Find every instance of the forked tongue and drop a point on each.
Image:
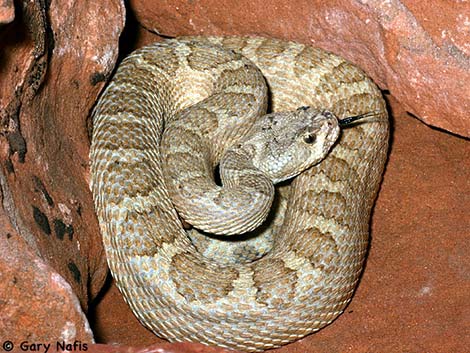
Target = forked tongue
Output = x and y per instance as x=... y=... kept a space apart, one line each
x=350 y=119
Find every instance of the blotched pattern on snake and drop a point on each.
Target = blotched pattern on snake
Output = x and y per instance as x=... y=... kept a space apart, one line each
x=175 y=111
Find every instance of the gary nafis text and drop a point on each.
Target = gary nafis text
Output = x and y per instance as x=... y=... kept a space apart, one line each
x=58 y=346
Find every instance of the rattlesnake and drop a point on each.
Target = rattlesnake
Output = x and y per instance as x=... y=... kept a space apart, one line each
x=178 y=286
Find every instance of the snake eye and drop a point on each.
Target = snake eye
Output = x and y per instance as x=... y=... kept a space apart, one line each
x=328 y=114
x=310 y=138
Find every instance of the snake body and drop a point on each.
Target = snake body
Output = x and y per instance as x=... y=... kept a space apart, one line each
x=181 y=285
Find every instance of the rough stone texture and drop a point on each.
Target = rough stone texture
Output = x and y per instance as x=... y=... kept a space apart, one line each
x=36 y=303
x=414 y=49
x=413 y=296
x=7 y=11
x=55 y=61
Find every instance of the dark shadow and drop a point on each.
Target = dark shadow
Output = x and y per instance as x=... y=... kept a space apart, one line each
x=92 y=315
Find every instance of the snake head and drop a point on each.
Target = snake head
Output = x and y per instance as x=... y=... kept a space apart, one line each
x=283 y=145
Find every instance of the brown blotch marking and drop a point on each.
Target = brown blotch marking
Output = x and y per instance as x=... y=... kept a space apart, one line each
x=330 y=205
x=186 y=274
x=269 y=49
x=186 y=152
x=186 y=165
x=319 y=248
x=341 y=171
x=252 y=179
x=163 y=57
x=77 y=276
x=133 y=100
x=346 y=73
x=157 y=215
x=355 y=104
x=207 y=58
x=198 y=117
x=234 y=43
x=246 y=253
x=114 y=135
x=141 y=77
x=271 y=278
x=114 y=143
x=325 y=88
x=309 y=59
x=237 y=104
x=118 y=103
x=248 y=75
x=41 y=220
x=142 y=233
x=355 y=139
x=129 y=178
x=322 y=247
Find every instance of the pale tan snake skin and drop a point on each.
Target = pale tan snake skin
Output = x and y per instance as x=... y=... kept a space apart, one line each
x=308 y=273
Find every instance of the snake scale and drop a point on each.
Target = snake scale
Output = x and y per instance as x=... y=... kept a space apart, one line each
x=313 y=244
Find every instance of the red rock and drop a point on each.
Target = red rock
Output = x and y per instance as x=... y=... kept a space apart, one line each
x=418 y=51
x=7 y=11
x=53 y=68
x=38 y=305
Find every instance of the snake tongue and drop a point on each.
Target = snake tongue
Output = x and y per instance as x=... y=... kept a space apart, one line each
x=350 y=119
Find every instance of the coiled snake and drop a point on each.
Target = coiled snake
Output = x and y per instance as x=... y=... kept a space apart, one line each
x=173 y=112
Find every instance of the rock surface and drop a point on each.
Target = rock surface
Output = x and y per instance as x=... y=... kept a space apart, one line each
x=53 y=68
x=7 y=11
x=54 y=63
x=419 y=51
x=37 y=304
